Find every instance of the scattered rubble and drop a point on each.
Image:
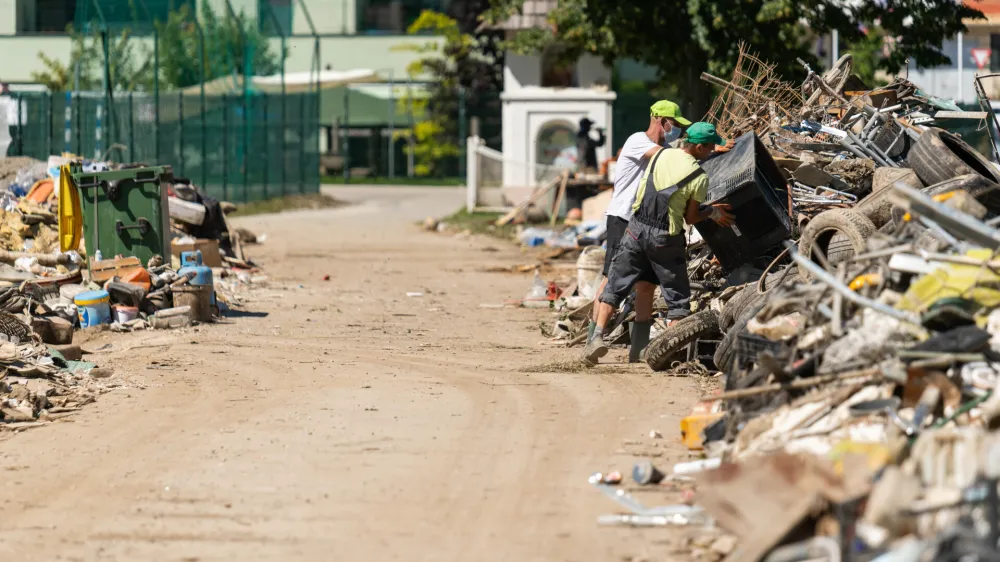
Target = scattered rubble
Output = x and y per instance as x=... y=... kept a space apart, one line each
x=50 y=285
x=854 y=313
x=861 y=368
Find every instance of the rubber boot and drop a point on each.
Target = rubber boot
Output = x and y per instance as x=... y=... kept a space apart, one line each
x=590 y=330
x=640 y=339
x=596 y=348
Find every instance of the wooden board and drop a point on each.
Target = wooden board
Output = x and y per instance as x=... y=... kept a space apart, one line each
x=559 y=199
x=523 y=206
x=101 y=271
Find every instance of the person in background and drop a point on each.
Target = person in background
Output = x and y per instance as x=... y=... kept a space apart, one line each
x=653 y=248
x=586 y=145
x=665 y=128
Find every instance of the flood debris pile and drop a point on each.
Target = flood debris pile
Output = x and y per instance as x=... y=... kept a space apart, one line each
x=858 y=334
x=99 y=245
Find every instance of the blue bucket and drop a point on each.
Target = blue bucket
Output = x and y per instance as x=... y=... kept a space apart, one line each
x=93 y=308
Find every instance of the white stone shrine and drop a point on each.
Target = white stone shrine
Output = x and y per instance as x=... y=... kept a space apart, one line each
x=543 y=104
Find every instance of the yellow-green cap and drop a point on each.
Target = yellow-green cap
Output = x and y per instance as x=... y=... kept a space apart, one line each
x=667 y=108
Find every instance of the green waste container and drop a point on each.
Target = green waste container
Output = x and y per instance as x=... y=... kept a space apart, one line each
x=125 y=211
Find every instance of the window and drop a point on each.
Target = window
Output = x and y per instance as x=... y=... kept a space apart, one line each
x=51 y=16
x=393 y=16
x=275 y=17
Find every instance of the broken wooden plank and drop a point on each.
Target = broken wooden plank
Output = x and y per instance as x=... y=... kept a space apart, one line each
x=559 y=198
x=523 y=206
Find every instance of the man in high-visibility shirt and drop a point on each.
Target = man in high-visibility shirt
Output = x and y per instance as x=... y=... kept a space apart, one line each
x=654 y=248
x=666 y=125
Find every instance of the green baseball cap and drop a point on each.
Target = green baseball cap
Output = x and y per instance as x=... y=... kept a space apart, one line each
x=666 y=108
x=703 y=133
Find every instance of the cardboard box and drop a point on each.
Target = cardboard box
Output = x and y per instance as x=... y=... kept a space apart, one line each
x=210 y=254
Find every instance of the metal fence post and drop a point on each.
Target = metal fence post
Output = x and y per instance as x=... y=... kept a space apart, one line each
x=156 y=93
x=317 y=64
x=246 y=130
x=461 y=132
x=302 y=145
x=314 y=165
x=267 y=131
x=68 y=123
x=105 y=104
x=392 y=129
x=344 y=146
x=79 y=126
x=204 y=141
x=284 y=123
x=410 y=156
x=131 y=128
x=20 y=125
x=284 y=106
x=225 y=147
x=98 y=130
x=204 y=128
x=244 y=159
x=180 y=132
x=50 y=120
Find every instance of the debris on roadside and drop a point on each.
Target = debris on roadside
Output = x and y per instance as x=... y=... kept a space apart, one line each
x=854 y=312
x=73 y=256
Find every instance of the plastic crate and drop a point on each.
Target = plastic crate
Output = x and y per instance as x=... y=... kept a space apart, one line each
x=748 y=346
x=747 y=178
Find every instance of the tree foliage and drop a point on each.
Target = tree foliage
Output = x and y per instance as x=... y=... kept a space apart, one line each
x=227 y=41
x=181 y=56
x=682 y=38
x=130 y=68
x=867 y=52
x=463 y=68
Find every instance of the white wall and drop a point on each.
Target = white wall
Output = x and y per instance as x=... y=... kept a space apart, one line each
x=8 y=16
x=329 y=16
x=19 y=68
x=521 y=71
x=945 y=83
x=381 y=54
x=525 y=111
x=591 y=72
x=341 y=53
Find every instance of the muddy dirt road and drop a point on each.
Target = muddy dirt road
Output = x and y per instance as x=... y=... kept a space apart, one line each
x=342 y=420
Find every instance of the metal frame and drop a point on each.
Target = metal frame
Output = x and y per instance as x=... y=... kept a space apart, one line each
x=992 y=123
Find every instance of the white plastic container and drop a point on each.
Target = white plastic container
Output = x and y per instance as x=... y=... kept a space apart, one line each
x=589 y=271
x=695 y=467
x=125 y=314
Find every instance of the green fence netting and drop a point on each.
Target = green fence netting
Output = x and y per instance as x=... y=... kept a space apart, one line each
x=233 y=147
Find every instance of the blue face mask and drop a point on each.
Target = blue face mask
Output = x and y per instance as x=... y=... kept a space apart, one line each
x=670 y=136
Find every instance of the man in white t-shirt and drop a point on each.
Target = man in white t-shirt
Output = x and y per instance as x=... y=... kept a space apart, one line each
x=665 y=127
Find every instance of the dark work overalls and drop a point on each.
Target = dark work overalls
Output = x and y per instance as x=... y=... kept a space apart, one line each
x=648 y=252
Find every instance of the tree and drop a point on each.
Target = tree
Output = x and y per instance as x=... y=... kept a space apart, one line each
x=460 y=66
x=704 y=35
x=181 y=56
x=866 y=54
x=485 y=74
x=85 y=70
